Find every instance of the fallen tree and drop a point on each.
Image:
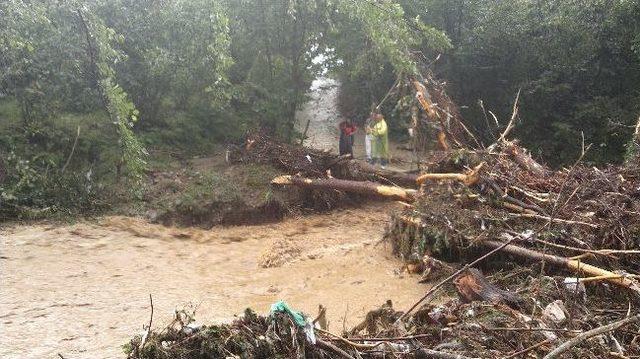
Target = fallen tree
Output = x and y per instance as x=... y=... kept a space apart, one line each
x=294 y=159
x=361 y=187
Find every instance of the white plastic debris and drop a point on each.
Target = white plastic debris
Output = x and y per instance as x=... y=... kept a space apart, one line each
x=436 y=313
x=310 y=333
x=191 y=328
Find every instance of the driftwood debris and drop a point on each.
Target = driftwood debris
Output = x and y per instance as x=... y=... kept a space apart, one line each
x=470 y=178
x=573 y=265
x=524 y=159
x=590 y=334
x=361 y=187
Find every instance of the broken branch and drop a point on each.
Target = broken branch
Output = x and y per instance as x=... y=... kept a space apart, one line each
x=571 y=264
x=470 y=178
x=591 y=333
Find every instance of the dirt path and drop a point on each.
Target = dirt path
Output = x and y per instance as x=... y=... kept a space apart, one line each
x=323 y=117
x=82 y=290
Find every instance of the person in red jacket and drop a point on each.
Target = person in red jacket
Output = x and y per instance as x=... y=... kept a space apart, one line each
x=347 y=129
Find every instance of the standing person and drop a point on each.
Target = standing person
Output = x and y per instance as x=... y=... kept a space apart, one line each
x=368 y=137
x=347 y=129
x=380 y=133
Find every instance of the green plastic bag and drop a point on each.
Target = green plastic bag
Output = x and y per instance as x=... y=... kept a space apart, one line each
x=283 y=307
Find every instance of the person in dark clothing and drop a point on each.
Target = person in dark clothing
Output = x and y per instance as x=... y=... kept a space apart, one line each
x=347 y=129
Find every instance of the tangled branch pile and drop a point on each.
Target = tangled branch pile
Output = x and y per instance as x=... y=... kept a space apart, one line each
x=565 y=284
x=576 y=211
x=569 y=240
x=258 y=147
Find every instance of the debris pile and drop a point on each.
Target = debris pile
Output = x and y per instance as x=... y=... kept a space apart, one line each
x=558 y=249
x=502 y=194
x=250 y=336
x=562 y=247
x=259 y=147
x=542 y=262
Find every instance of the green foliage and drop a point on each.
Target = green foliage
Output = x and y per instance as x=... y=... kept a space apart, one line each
x=275 y=44
x=576 y=62
x=392 y=36
x=177 y=56
x=376 y=44
x=190 y=73
x=31 y=190
x=42 y=59
x=206 y=189
x=121 y=110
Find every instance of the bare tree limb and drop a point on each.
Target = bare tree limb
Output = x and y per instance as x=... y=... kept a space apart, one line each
x=511 y=124
x=591 y=333
x=73 y=149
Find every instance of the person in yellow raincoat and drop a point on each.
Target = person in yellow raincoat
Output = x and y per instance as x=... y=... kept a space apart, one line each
x=380 y=141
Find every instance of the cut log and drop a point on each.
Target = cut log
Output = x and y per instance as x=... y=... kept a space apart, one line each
x=571 y=264
x=365 y=188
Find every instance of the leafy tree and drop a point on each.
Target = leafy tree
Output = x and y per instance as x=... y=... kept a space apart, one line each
x=274 y=44
x=47 y=71
x=120 y=109
x=576 y=62
x=177 y=55
x=376 y=44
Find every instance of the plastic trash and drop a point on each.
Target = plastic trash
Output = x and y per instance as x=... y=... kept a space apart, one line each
x=298 y=318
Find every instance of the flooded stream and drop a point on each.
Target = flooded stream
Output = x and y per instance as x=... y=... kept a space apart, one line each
x=82 y=290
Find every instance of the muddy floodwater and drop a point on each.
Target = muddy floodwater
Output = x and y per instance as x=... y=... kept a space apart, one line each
x=82 y=290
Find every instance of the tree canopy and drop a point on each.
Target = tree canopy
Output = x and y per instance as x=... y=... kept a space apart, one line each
x=138 y=75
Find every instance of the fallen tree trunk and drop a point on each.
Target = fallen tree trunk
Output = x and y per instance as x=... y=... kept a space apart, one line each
x=363 y=171
x=573 y=265
x=365 y=188
x=308 y=162
x=590 y=334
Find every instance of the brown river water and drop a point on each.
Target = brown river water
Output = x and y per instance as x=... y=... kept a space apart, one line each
x=83 y=290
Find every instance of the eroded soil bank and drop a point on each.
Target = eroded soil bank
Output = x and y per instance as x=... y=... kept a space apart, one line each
x=81 y=290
